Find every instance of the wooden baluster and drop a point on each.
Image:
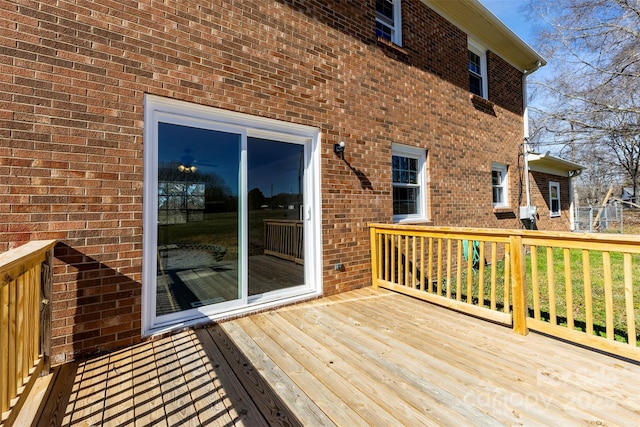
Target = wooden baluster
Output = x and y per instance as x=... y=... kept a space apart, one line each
x=494 y=261
x=588 y=302
x=481 y=277
x=568 y=286
x=469 y=271
x=535 y=282
x=628 y=298
x=552 y=287
x=459 y=271
x=422 y=256
x=414 y=260
x=608 y=293
x=439 y=268
x=449 y=262
x=507 y=277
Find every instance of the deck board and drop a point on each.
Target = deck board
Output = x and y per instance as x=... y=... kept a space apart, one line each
x=366 y=357
x=147 y=402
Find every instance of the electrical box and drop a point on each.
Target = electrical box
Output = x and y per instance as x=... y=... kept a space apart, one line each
x=528 y=212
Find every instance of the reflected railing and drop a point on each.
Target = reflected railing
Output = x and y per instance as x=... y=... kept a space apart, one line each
x=283 y=238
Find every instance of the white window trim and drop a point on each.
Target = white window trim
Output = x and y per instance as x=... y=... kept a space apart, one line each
x=553 y=214
x=396 y=30
x=158 y=109
x=421 y=155
x=505 y=184
x=481 y=51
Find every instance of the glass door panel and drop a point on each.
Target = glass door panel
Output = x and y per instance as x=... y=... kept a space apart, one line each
x=275 y=174
x=198 y=218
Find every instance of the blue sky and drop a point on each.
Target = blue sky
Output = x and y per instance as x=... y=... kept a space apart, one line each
x=512 y=13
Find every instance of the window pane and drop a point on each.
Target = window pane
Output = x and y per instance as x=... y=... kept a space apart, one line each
x=475 y=84
x=198 y=218
x=383 y=31
x=497 y=195
x=395 y=162
x=384 y=8
x=496 y=177
x=275 y=173
x=405 y=170
x=405 y=200
x=474 y=63
x=555 y=206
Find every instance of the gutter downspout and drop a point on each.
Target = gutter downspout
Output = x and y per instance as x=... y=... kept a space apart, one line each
x=572 y=190
x=526 y=149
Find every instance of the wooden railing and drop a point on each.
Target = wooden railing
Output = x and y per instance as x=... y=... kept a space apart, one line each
x=283 y=238
x=25 y=331
x=579 y=287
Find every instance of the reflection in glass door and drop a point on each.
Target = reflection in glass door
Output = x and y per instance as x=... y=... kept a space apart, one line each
x=275 y=174
x=198 y=218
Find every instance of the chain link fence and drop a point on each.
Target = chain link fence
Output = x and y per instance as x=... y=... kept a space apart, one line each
x=610 y=220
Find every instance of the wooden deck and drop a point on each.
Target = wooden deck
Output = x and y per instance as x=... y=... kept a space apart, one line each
x=367 y=357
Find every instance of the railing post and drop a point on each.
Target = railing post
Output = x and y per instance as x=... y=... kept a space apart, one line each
x=374 y=257
x=518 y=285
x=45 y=311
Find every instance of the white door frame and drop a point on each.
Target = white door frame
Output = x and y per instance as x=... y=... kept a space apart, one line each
x=158 y=109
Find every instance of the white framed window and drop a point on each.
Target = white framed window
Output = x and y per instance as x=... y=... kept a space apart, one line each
x=554 y=198
x=388 y=21
x=477 y=69
x=409 y=183
x=499 y=183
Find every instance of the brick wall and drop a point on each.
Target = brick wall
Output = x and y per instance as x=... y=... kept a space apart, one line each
x=72 y=80
x=539 y=184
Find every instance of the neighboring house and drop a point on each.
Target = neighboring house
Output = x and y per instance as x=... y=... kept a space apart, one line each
x=550 y=190
x=187 y=154
x=627 y=194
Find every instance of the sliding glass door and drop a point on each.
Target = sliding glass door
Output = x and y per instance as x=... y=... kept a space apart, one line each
x=229 y=218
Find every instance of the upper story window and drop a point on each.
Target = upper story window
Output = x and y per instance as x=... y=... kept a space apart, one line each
x=388 y=24
x=499 y=184
x=477 y=70
x=409 y=183
x=554 y=198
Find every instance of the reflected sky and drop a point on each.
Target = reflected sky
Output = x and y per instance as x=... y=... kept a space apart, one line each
x=274 y=167
x=209 y=150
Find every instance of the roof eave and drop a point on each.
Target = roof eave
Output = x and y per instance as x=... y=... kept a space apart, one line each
x=546 y=163
x=482 y=25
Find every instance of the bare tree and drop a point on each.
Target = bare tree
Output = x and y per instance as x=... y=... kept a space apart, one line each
x=590 y=106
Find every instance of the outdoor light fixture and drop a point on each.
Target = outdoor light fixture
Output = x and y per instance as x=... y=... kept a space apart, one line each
x=187 y=169
x=339 y=149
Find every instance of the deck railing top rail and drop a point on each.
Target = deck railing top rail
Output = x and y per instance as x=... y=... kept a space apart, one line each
x=565 y=239
x=29 y=253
